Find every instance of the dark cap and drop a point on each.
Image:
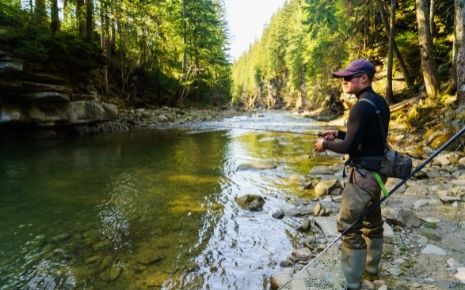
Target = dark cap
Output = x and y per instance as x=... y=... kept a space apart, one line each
x=356 y=67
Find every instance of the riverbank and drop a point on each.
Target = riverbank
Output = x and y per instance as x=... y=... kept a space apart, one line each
x=424 y=219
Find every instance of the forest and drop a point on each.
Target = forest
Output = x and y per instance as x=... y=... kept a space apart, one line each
x=149 y=52
x=168 y=52
x=417 y=47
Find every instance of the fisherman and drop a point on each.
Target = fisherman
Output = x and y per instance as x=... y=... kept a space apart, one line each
x=362 y=244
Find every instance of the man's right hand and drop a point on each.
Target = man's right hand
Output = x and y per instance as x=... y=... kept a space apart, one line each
x=329 y=135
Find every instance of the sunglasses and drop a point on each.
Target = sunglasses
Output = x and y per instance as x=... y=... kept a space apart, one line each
x=349 y=78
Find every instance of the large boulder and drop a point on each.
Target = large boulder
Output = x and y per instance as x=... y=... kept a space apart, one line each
x=325 y=187
x=251 y=202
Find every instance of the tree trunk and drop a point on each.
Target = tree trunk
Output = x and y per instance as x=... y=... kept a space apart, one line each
x=428 y=63
x=81 y=19
x=90 y=20
x=431 y=17
x=104 y=41
x=389 y=94
x=400 y=59
x=40 y=13
x=460 y=49
x=55 y=25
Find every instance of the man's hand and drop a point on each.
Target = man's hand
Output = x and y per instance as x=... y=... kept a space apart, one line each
x=329 y=135
x=319 y=145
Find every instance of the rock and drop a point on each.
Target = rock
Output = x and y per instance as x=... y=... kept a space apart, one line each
x=302 y=253
x=306 y=225
x=379 y=283
x=420 y=203
x=320 y=210
x=321 y=170
x=61 y=238
x=388 y=233
x=417 y=190
x=368 y=285
x=111 y=274
x=453 y=264
x=394 y=271
x=101 y=245
x=327 y=225
x=460 y=275
x=383 y=287
x=462 y=162
x=442 y=159
x=251 y=202
x=256 y=165
x=156 y=280
x=149 y=258
x=13 y=114
x=277 y=280
x=286 y=263
x=433 y=250
x=279 y=214
x=325 y=187
x=403 y=218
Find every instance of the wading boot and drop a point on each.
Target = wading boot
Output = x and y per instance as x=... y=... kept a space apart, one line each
x=353 y=266
x=374 y=251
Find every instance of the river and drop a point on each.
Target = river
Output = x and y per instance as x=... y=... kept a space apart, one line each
x=153 y=209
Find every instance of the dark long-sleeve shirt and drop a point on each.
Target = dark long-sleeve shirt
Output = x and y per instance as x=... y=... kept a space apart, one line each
x=364 y=136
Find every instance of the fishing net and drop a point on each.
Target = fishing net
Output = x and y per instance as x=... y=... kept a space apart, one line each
x=322 y=273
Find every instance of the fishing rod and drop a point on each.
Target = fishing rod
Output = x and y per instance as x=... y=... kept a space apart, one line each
x=372 y=208
x=319 y=134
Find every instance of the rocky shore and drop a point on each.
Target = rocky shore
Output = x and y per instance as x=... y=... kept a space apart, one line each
x=424 y=227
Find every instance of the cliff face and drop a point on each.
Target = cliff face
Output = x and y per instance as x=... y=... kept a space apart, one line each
x=52 y=92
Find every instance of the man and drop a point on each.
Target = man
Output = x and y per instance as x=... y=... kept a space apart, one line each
x=364 y=139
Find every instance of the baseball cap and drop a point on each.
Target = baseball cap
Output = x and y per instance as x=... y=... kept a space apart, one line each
x=356 y=67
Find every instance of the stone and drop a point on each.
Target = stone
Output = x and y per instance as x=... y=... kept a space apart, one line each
x=279 y=214
x=250 y=202
x=327 y=225
x=420 y=203
x=403 y=218
x=13 y=114
x=277 y=280
x=383 y=287
x=325 y=187
x=433 y=250
x=306 y=225
x=256 y=165
x=302 y=253
x=379 y=283
x=156 y=280
x=111 y=274
x=453 y=264
x=150 y=258
x=286 y=263
x=388 y=233
x=101 y=245
x=460 y=275
x=367 y=284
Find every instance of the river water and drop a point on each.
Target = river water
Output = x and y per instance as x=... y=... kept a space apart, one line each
x=154 y=208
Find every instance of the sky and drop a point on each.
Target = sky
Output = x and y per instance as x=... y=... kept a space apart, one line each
x=246 y=20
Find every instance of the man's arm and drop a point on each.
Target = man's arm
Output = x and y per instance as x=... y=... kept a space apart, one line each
x=356 y=127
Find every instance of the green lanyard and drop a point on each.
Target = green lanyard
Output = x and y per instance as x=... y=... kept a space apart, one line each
x=381 y=184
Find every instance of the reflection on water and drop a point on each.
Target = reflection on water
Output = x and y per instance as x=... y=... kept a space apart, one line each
x=150 y=209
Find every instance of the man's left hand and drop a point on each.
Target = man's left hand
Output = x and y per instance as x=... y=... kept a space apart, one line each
x=319 y=145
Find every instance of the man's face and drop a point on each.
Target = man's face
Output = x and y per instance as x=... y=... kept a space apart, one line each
x=353 y=84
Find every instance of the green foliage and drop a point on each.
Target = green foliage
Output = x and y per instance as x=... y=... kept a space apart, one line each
x=293 y=59
x=178 y=44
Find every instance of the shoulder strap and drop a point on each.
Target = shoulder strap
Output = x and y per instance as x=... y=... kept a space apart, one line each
x=378 y=114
